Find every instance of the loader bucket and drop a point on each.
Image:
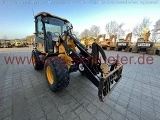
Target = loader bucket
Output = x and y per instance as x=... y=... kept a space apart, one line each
x=109 y=80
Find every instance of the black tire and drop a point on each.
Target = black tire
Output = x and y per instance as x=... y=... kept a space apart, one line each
x=157 y=52
x=37 y=64
x=57 y=73
x=130 y=49
x=119 y=49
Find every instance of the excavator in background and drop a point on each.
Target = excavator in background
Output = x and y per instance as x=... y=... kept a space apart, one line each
x=143 y=44
x=5 y=44
x=108 y=44
x=124 y=44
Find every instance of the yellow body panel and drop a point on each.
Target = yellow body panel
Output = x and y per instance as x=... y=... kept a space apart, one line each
x=71 y=44
x=63 y=53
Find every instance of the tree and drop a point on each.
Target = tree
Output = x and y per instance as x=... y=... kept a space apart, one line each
x=85 y=34
x=156 y=31
x=145 y=23
x=157 y=26
x=76 y=33
x=94 y=31
x=155 y=37
x=113 y=28
x=137 y=30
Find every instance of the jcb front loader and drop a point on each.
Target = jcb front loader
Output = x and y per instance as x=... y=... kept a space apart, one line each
x=55 y=50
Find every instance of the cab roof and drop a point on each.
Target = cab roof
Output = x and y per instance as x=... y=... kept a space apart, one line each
x=48 y=14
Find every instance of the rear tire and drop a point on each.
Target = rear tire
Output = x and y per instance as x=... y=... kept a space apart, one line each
x=57 y=73
x=157 y=52
x=37 y=64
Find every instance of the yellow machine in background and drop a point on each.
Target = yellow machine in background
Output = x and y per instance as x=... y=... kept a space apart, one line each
x=124 y=44
x=108 y=44
x=143 y=43
x=18 y=43
x=5 y=44
x=82 y=41
x=89 y=41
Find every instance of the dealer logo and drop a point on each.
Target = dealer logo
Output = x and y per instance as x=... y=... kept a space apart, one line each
x=122 y=44
x=144 y=44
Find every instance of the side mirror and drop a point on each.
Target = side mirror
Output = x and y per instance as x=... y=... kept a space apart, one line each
x=70 y=26
x=45 y=20
x=36 y=33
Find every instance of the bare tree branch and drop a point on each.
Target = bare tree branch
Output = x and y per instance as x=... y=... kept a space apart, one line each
x=156 y=31
x=114 y=28
x=94 y=31
x=85 y=34
x=137 y=30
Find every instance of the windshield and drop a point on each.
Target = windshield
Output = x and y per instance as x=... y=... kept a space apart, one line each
x=55 y=25
x=121 y=40
x=140 y=39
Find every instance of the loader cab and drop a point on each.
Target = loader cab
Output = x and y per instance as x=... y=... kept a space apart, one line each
x=121 y=40
x=47 y=30
x=140 y=40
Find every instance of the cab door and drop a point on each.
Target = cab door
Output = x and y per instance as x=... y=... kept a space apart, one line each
x=39 y=40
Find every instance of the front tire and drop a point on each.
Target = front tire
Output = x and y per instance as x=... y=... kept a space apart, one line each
x=57 y=73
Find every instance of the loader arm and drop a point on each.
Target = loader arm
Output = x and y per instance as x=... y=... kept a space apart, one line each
x=102 y=82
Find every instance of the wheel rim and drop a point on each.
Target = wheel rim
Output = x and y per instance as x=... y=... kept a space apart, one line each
x=49 y=75
x=33 y=60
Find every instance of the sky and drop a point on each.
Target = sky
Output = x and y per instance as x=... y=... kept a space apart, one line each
x=16 y=17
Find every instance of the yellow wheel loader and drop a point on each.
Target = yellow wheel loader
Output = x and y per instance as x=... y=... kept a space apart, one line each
x=55 y=51
x=125 y=44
